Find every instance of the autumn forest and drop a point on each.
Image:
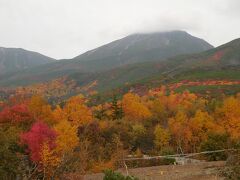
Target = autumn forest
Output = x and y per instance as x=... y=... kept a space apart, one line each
x=42 y=140
x=124 y=90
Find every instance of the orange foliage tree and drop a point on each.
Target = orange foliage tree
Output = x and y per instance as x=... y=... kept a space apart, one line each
x=133 y=108
x=76 y=112
x=180 y=131
x=228 y=116
x=41 y=110
x=201 y=125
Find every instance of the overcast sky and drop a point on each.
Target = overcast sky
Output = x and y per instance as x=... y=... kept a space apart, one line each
x=67 y=28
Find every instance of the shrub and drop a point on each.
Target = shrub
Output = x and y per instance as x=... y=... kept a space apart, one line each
x=215 y=142
x=232 y=169
x=112 y=175
x=149 y=162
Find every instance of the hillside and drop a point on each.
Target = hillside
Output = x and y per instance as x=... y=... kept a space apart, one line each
x=132 y=49
x=219 y=63
x=15 y=59
x=138 y=48
x=216 y=71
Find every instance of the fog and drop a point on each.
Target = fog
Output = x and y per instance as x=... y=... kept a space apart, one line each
x=67 y=28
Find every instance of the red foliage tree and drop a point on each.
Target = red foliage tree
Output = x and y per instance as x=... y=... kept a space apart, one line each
x=15 y=114
x=39 y=134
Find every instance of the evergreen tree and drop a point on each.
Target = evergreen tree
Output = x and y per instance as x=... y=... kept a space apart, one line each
x=116 y=108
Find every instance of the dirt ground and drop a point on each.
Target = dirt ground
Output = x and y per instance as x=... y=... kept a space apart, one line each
x=199 y=171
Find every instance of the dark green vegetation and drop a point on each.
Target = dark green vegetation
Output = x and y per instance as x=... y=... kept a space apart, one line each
x=112 y=175
x=150 y=162
x=8 y=150
x=211 y=89
x=14 y=59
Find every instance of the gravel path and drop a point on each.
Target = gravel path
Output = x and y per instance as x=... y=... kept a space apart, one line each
x=199 y=171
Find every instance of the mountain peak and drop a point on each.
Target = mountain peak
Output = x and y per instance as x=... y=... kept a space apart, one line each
x=14 y=59
x=161 y=32
x=142 y=47
x=235 y=42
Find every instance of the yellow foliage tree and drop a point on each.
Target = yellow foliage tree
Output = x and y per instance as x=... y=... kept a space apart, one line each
x=59 y=114
x=66 y=142
x=133 y=108
x=201 y=124
x=158 y=110
x=180 y=131
x=77 y=112
x=229 y=117
x=49 y=161
x=41 y=110
x=67 y=138
x=139 y=129
x=162 y=137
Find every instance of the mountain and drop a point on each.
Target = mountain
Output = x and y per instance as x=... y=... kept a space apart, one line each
x=217 y=64
x=221 y=63
x=142 y=48
x=136 y=48
x=15 y=59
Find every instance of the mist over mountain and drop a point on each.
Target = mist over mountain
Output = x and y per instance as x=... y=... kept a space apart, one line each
x=136 y=48
x=142 y=48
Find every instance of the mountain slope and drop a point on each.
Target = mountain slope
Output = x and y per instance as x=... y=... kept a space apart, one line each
x=14 y=59
x=142 y=48
x=219 y=63
x=209 y=73
x=129 y=50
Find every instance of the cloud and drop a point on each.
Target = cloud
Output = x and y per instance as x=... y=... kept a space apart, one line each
x=66 y=28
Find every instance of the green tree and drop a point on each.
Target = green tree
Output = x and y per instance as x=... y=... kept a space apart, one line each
x=216 y=142
x=9 y=151
x=116 y=108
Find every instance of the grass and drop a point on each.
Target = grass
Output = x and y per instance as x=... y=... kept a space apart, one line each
x=218 y=74
x=211 y=89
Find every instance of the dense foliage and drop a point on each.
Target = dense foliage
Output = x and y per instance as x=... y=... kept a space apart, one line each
x=39 y=140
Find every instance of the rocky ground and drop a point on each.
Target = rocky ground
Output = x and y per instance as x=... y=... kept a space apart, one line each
x=197 y=171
